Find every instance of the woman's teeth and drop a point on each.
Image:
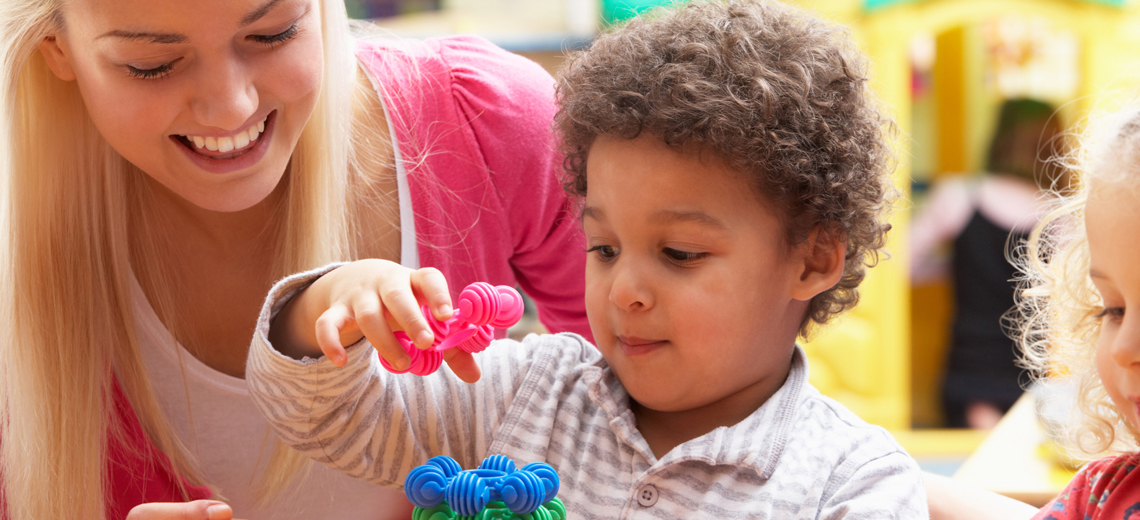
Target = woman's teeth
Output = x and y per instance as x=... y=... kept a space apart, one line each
x=230 y=143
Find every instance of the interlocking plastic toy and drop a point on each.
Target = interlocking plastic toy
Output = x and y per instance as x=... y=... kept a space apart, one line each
x=482 y=308
x=441 y=490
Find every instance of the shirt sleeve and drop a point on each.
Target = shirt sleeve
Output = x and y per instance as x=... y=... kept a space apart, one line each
x=508 y=101
x=374 y=425
x=888 y=487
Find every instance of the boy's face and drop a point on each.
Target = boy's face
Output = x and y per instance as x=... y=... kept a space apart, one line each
x=689 y=280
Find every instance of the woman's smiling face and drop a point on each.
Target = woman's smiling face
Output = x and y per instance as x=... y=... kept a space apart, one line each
x=208 y=98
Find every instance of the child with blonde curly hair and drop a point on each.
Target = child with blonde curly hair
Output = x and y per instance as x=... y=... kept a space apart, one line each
x=1081 y=275
x=733 y=175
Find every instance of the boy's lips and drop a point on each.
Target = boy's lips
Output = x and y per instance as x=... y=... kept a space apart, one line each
x=632 y=345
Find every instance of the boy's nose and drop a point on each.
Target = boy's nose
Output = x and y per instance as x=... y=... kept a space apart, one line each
x=628 y=290
x=225 y=97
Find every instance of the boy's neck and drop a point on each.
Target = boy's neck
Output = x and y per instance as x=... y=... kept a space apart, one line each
x=664 y=431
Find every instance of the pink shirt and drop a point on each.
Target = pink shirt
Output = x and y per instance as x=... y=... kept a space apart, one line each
x=487 y=195
x=473 y=126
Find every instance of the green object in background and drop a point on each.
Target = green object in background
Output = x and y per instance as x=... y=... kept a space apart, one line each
x=617 y=11
x=871 y=5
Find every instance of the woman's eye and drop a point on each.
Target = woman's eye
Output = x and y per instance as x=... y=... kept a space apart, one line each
x=158 y=72
x=683 y=257
x=605 y=253
x=274 y=39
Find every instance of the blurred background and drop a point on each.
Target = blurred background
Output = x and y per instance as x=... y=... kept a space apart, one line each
x=982 y=91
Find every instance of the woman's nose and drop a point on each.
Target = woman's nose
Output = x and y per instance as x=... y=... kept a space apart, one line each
x=225 y=97
x=629 y=291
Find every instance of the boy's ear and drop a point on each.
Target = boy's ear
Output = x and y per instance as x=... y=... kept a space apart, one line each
x=821 y=258
x=57 y=59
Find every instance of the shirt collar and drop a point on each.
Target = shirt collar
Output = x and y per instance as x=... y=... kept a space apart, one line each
x=756 y=442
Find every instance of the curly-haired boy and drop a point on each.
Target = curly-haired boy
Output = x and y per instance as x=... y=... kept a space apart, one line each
x=732 y=172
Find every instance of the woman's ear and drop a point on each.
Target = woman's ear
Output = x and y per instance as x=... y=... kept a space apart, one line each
x=57 y=59
x=822 y=257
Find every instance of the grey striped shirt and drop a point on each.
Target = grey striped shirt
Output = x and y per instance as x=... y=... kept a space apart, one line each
x=552 y=398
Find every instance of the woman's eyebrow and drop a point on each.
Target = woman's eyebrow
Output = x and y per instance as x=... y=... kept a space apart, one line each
x=153 y=37
x=256 y=14
x=150 y=37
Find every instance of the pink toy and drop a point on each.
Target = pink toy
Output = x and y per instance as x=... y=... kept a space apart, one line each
x=482 y=308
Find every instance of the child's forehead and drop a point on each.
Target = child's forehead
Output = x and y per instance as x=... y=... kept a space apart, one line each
x=646 y=180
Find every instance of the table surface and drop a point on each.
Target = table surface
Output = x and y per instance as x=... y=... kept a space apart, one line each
x=1012 y=462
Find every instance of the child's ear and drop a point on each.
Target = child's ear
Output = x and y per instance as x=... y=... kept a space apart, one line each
x=821 y=258
x=57 y=59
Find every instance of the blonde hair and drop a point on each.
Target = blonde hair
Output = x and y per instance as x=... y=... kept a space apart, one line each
x=1058 y=304
x=67 y=255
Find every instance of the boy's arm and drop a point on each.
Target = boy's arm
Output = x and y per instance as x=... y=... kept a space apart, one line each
x=367 y=422
x=953 y=500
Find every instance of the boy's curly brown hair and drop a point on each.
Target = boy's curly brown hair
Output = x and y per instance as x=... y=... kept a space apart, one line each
x=771 y=89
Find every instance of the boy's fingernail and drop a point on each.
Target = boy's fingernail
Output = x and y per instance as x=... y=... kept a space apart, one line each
x=402 y=362
x=423 y=338
x=216 y=511
x=445 y=309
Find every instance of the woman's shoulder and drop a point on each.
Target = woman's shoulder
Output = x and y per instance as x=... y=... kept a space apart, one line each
x=467 y=65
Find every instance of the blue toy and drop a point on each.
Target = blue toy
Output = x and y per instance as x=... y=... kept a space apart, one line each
x=441 y=490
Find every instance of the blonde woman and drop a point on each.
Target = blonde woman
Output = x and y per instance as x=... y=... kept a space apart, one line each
x=164 y=162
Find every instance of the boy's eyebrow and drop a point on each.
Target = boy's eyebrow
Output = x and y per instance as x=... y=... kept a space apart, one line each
x=1093 y=273
x=152 y=37
x=699 y=217
x=594 y=213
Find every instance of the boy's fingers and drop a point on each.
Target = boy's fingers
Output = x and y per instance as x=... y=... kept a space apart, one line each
x=370 y=319
x=399 y=300
x=431 y=284
x=463 y=364
x=328 y=329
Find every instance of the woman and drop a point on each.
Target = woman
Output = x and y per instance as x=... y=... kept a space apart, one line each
x=165 y=162
x=983 y=218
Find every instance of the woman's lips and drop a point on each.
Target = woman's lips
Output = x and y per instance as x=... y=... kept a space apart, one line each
x=633 y=346
x=232 y=163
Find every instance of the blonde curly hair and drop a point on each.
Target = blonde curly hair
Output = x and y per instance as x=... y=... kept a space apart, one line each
x=1058 y=306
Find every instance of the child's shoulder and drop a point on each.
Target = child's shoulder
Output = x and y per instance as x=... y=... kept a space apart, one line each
x=835 y=421
x=839 y=445
x=1105 y=488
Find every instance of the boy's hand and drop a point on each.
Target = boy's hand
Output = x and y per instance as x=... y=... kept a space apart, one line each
x=372 y=299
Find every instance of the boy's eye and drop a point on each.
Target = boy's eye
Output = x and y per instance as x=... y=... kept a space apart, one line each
x=605 y=253
x=683 y=257
x=274 y=39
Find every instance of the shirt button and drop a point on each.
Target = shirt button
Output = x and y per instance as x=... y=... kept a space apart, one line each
x=647 y=495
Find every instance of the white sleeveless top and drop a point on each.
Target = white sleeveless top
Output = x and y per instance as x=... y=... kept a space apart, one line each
x=213 y=415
